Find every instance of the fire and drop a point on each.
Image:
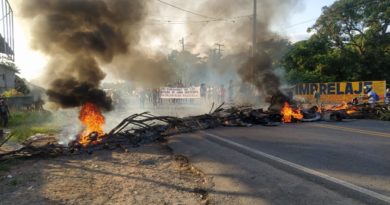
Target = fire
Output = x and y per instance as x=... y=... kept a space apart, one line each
x=343 y=106
x=349 y=109
x=93 y=120
x=289 y=113
x=349 y=112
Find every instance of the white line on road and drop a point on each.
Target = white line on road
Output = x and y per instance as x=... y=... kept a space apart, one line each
x=306 y=170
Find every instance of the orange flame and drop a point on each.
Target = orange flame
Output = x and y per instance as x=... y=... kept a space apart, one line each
x=349 y=112
x=349 y=109
x=289 y=113
x=93 y=120
x=343 y=106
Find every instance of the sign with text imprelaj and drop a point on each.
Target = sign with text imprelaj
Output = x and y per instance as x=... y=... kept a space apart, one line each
x=339 y=91
x=180 y=93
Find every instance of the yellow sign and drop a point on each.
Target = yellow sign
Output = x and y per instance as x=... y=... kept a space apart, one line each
x=340 y=91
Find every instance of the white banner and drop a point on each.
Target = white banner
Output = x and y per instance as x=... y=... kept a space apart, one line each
x=180 y=93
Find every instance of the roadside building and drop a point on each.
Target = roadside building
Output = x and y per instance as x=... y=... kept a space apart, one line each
x=7 y=54
x=7 y=75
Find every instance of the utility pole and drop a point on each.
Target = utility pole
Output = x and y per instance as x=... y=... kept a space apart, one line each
x=254 y=27
x=219 y=48
x=182 y=44
x=254 y=44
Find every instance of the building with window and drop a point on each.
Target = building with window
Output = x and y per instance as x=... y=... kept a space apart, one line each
x=7 y=54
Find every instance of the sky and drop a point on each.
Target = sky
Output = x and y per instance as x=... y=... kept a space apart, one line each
x=300 y=21
x=32 y=63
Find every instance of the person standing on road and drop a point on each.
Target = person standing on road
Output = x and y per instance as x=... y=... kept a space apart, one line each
x=4 y=113
x=387 y=99
x=221 y=94
x=371 y=96
x=230 y=91
x=317 y=96
x=142 y=98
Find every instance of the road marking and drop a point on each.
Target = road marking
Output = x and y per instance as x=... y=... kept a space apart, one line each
x=374 y=133
x=303 y=169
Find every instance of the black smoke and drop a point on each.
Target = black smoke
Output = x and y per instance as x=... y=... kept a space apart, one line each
x=78 y=35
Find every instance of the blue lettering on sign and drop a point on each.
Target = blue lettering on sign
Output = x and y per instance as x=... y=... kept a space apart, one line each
x=348 y=88
x=303 y=89
x=323 y=88
x=328 y=88
x=360 y=89
x=339 y=92
x=331 y=88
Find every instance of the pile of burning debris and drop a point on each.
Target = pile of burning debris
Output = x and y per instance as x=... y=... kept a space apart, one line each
x=145 y=128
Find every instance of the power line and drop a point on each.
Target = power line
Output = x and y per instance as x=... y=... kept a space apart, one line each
x=185 y=10
x=170 y=21
x=300 y=23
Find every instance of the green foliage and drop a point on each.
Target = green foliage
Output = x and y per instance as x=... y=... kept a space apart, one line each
x=21 y=86
x=11 y=93
x=351 y=41
x=20 y=134
x=26 y=124
x=23 y=118
x=384 y=115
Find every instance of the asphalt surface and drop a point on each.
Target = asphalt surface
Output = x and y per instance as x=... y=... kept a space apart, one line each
x=357 y=152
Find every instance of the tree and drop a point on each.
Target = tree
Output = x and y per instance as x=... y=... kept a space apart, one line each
x=351 y=41
x=21 y=85
x=311 y=60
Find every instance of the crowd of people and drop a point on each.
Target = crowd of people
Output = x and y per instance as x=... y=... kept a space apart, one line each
x=208 y=93
x=152 y=97
x=217 y=93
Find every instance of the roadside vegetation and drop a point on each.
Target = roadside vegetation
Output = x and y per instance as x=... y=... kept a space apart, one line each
x=350 y=42
x=26 y=124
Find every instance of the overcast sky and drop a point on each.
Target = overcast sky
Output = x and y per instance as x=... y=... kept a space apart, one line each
x=31 y=63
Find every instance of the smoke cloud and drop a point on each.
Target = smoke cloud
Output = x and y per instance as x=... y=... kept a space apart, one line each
x=80 y=36
x=85 y=37
x=236 y=34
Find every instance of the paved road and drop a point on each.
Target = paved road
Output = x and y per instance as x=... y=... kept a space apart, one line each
x=357 y=152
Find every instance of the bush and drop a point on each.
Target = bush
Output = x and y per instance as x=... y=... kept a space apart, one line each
x=29 y=118
x=11 y=93
x=20 y=134
x=25 y=124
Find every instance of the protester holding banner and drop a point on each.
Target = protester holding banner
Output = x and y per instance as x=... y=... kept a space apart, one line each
x=180 y=93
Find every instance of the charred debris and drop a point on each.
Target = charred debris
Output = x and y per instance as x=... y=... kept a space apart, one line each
x=144 y=128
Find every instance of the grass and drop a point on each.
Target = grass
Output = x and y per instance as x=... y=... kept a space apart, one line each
x=20 y=134
x=26 y=124
x=28 y=118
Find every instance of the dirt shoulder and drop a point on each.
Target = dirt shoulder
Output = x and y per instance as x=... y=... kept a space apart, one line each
x=149 y=174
